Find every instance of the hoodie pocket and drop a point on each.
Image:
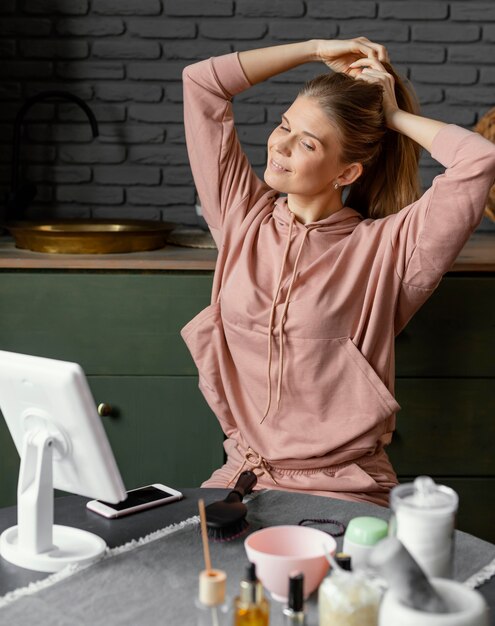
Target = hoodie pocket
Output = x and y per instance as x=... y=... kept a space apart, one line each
x=205 y=339
x=375 y=382
x=332 y=400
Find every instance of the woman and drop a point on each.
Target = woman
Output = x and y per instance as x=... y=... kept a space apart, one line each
x=296 y=351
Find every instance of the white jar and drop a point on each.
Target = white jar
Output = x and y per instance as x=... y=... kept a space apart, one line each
x=424 y=521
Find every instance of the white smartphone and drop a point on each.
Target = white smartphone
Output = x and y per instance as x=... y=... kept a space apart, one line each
x=137 y=500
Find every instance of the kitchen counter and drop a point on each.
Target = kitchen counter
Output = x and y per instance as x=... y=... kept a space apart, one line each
x=478 y=255
x=170 y=257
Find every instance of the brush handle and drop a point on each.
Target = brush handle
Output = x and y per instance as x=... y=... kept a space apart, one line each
x=244 y=485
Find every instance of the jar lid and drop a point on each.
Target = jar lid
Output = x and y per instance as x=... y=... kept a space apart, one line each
x=424 y=495
x=366 y=530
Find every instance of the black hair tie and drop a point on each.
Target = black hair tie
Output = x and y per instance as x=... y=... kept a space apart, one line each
x=340 y=527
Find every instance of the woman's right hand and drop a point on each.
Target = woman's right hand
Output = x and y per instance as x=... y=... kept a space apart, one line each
x=338 y=54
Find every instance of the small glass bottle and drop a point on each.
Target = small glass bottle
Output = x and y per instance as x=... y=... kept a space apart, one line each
x=251 y=608
x=294 y=614
x=212 y=606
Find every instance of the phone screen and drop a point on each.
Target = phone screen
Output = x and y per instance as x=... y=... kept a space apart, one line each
x=139 y=496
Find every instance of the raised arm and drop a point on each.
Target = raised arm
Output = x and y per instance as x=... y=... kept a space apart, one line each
x=428 y=235
x=421 y=129
x=337 y=54
x=263 y=63
x=221 y=171
x=224 y=178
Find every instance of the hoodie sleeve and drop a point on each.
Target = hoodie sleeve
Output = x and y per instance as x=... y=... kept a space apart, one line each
x=428 y=235
x=221 y=171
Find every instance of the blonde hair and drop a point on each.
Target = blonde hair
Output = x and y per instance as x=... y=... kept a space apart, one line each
x=390 y=178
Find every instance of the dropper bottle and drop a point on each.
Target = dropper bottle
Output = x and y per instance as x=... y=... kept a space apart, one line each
x=251 y=608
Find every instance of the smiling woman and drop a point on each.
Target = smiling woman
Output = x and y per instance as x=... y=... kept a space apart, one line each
x=304 y=163
x=295 y=354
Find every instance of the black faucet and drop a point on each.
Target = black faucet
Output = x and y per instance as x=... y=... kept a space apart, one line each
x=22 y=193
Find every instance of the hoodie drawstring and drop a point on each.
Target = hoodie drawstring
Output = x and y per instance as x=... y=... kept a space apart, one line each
x=270 y=322
x=282 y=318
x=256 y=462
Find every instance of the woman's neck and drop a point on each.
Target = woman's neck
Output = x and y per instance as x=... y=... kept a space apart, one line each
x=309 y=209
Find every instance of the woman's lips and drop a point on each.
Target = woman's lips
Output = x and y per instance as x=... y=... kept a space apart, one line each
x=276 y=167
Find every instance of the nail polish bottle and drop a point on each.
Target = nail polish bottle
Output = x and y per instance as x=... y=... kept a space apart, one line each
x=294 y=612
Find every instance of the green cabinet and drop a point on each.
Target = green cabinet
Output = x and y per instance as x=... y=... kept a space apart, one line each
x=445 y=384
x=112 y=323
x=124 y=330
x=160 y=429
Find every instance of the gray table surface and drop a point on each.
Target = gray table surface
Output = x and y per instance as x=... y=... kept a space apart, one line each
x=71 y=511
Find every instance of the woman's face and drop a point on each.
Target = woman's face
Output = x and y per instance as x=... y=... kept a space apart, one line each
x=303 y=151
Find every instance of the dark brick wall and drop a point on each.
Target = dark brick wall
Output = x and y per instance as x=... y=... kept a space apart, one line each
x=125 y=57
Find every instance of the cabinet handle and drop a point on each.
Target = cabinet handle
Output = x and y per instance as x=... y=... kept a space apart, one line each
x=104 y=409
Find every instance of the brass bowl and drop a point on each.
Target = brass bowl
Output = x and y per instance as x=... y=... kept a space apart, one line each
x=89 y=236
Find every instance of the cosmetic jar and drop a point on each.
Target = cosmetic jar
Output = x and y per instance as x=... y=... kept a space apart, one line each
x=361 y=535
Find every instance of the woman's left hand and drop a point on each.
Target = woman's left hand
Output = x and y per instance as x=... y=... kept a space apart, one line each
x=372 y=71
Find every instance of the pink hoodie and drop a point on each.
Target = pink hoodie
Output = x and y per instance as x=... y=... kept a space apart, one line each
x=296 y=351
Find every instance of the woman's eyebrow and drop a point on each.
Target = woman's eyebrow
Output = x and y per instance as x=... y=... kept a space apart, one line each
x=305 y=132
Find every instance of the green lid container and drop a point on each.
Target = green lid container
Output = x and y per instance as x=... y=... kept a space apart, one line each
x=366 y=531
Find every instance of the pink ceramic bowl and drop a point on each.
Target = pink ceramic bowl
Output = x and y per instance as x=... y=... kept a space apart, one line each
x=280 y=550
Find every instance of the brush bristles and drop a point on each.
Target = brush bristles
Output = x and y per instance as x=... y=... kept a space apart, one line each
x=229 y=533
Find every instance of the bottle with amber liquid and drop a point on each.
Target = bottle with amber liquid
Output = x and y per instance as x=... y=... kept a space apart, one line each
x=251 y=608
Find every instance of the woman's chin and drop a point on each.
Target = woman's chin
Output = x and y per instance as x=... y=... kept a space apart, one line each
x=272 y=182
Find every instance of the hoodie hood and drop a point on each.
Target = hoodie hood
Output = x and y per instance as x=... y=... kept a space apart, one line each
x=341 y=222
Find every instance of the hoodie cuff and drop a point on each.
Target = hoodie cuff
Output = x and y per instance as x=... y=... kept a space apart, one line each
x=230 y=74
